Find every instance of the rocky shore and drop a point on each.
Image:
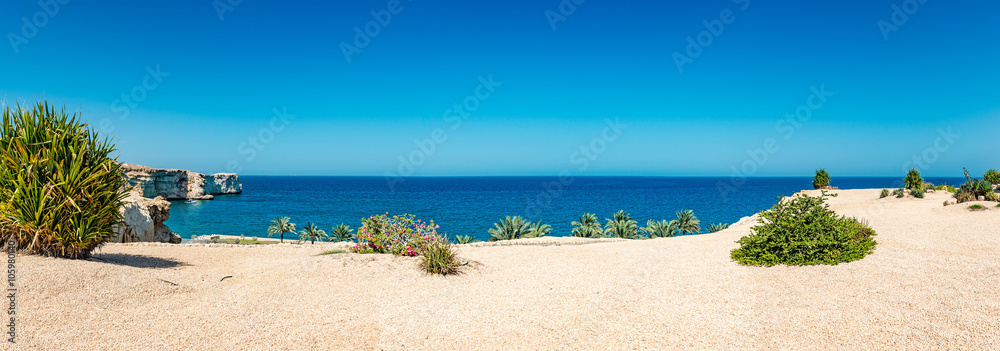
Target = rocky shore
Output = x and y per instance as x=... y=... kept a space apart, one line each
x=146 y=207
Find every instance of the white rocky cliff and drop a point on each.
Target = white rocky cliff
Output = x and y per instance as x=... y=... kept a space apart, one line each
x=179 y=184
x=146 y=207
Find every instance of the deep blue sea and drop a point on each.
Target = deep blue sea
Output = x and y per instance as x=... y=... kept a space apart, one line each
x=470 y=205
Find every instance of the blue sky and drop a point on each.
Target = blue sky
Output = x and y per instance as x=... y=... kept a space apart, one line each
x=923 y=88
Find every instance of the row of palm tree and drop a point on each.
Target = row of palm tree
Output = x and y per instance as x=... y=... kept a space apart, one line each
x=310 y=232
x=516 y=227
x=622 y=225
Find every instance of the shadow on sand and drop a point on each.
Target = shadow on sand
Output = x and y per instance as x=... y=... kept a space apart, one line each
x=137 y=261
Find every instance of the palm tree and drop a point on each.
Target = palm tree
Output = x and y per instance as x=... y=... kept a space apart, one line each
x=661 y=229
x=280 y=226
x=510 y=228
x=538 y=230
x=622 y=226
x=588 y=227
x=464 y=239
x=311 y=232
x=342 y=232
x=687 y=222
x=712 y=228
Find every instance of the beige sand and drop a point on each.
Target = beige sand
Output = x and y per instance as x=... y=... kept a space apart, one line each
x=932 y=283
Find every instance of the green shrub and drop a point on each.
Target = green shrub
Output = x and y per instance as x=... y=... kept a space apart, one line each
x=587 y=227
x=622 y=226
x=972 y=189
x=660 y=229
x=342 y=232
x=928 y=186
x=885 y=193
x=712 y=228
x=941 y=187
x=899 y=192
x=439 y=258
x=60 y=190
x=822 y=179
x=804 y=231
x=977 y=207
x=913 y=180
x=992 y=176
x=918 y=193
x=464 y=239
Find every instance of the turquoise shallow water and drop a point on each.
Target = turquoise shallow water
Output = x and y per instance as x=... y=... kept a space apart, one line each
x=470 y=205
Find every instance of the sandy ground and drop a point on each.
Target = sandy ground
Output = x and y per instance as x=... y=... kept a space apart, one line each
x=932 y=283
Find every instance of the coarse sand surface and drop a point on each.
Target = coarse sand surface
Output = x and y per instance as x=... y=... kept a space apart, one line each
x=933 y=282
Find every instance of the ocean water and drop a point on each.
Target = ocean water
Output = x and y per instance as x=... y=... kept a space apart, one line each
x=470 y=205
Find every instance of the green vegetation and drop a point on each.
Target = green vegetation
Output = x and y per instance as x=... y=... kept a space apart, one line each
x=622 y=226
x=334 y=252
x=992 y=176
x=977 y=207
x=311 y=233
x=60 y=190
x=511 y=228
x=660 y=229
x=885 y=194
x=279 y=226
x=973 y=189
x=821 y=180
x=899 y=192
x=687 y=222
x=342 y=232
x=712 y=228
x=587 y=227
x=913 y=180
x=825 y=194
x=439 y=258
x=244 y=241
x=464 y=239
x=918 y=193
x=804 y=231
x=538 y=230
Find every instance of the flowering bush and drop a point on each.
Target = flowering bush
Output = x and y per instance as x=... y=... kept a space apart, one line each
x=397 y=235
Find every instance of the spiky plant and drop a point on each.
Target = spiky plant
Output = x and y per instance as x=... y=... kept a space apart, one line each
x=622 y=226
x=660 y=229
x=279 y=226
x=464 y=239
x=439 y=258
x=715 y=227
x=342 y=232
x=538 y=230
x=822 y=179
x=60 y=189
x=913 y=180
x=511 y=228
x=587 y=227
x=885 y=193
x=687 y=222
x=311 y=233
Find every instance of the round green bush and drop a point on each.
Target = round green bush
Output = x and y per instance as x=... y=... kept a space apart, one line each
x=992 y=176
x=804 y=231
x=822 y=179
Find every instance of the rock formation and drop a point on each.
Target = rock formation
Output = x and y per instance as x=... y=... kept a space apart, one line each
x=146 y=207
x=143 y=220
x=179 y=184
